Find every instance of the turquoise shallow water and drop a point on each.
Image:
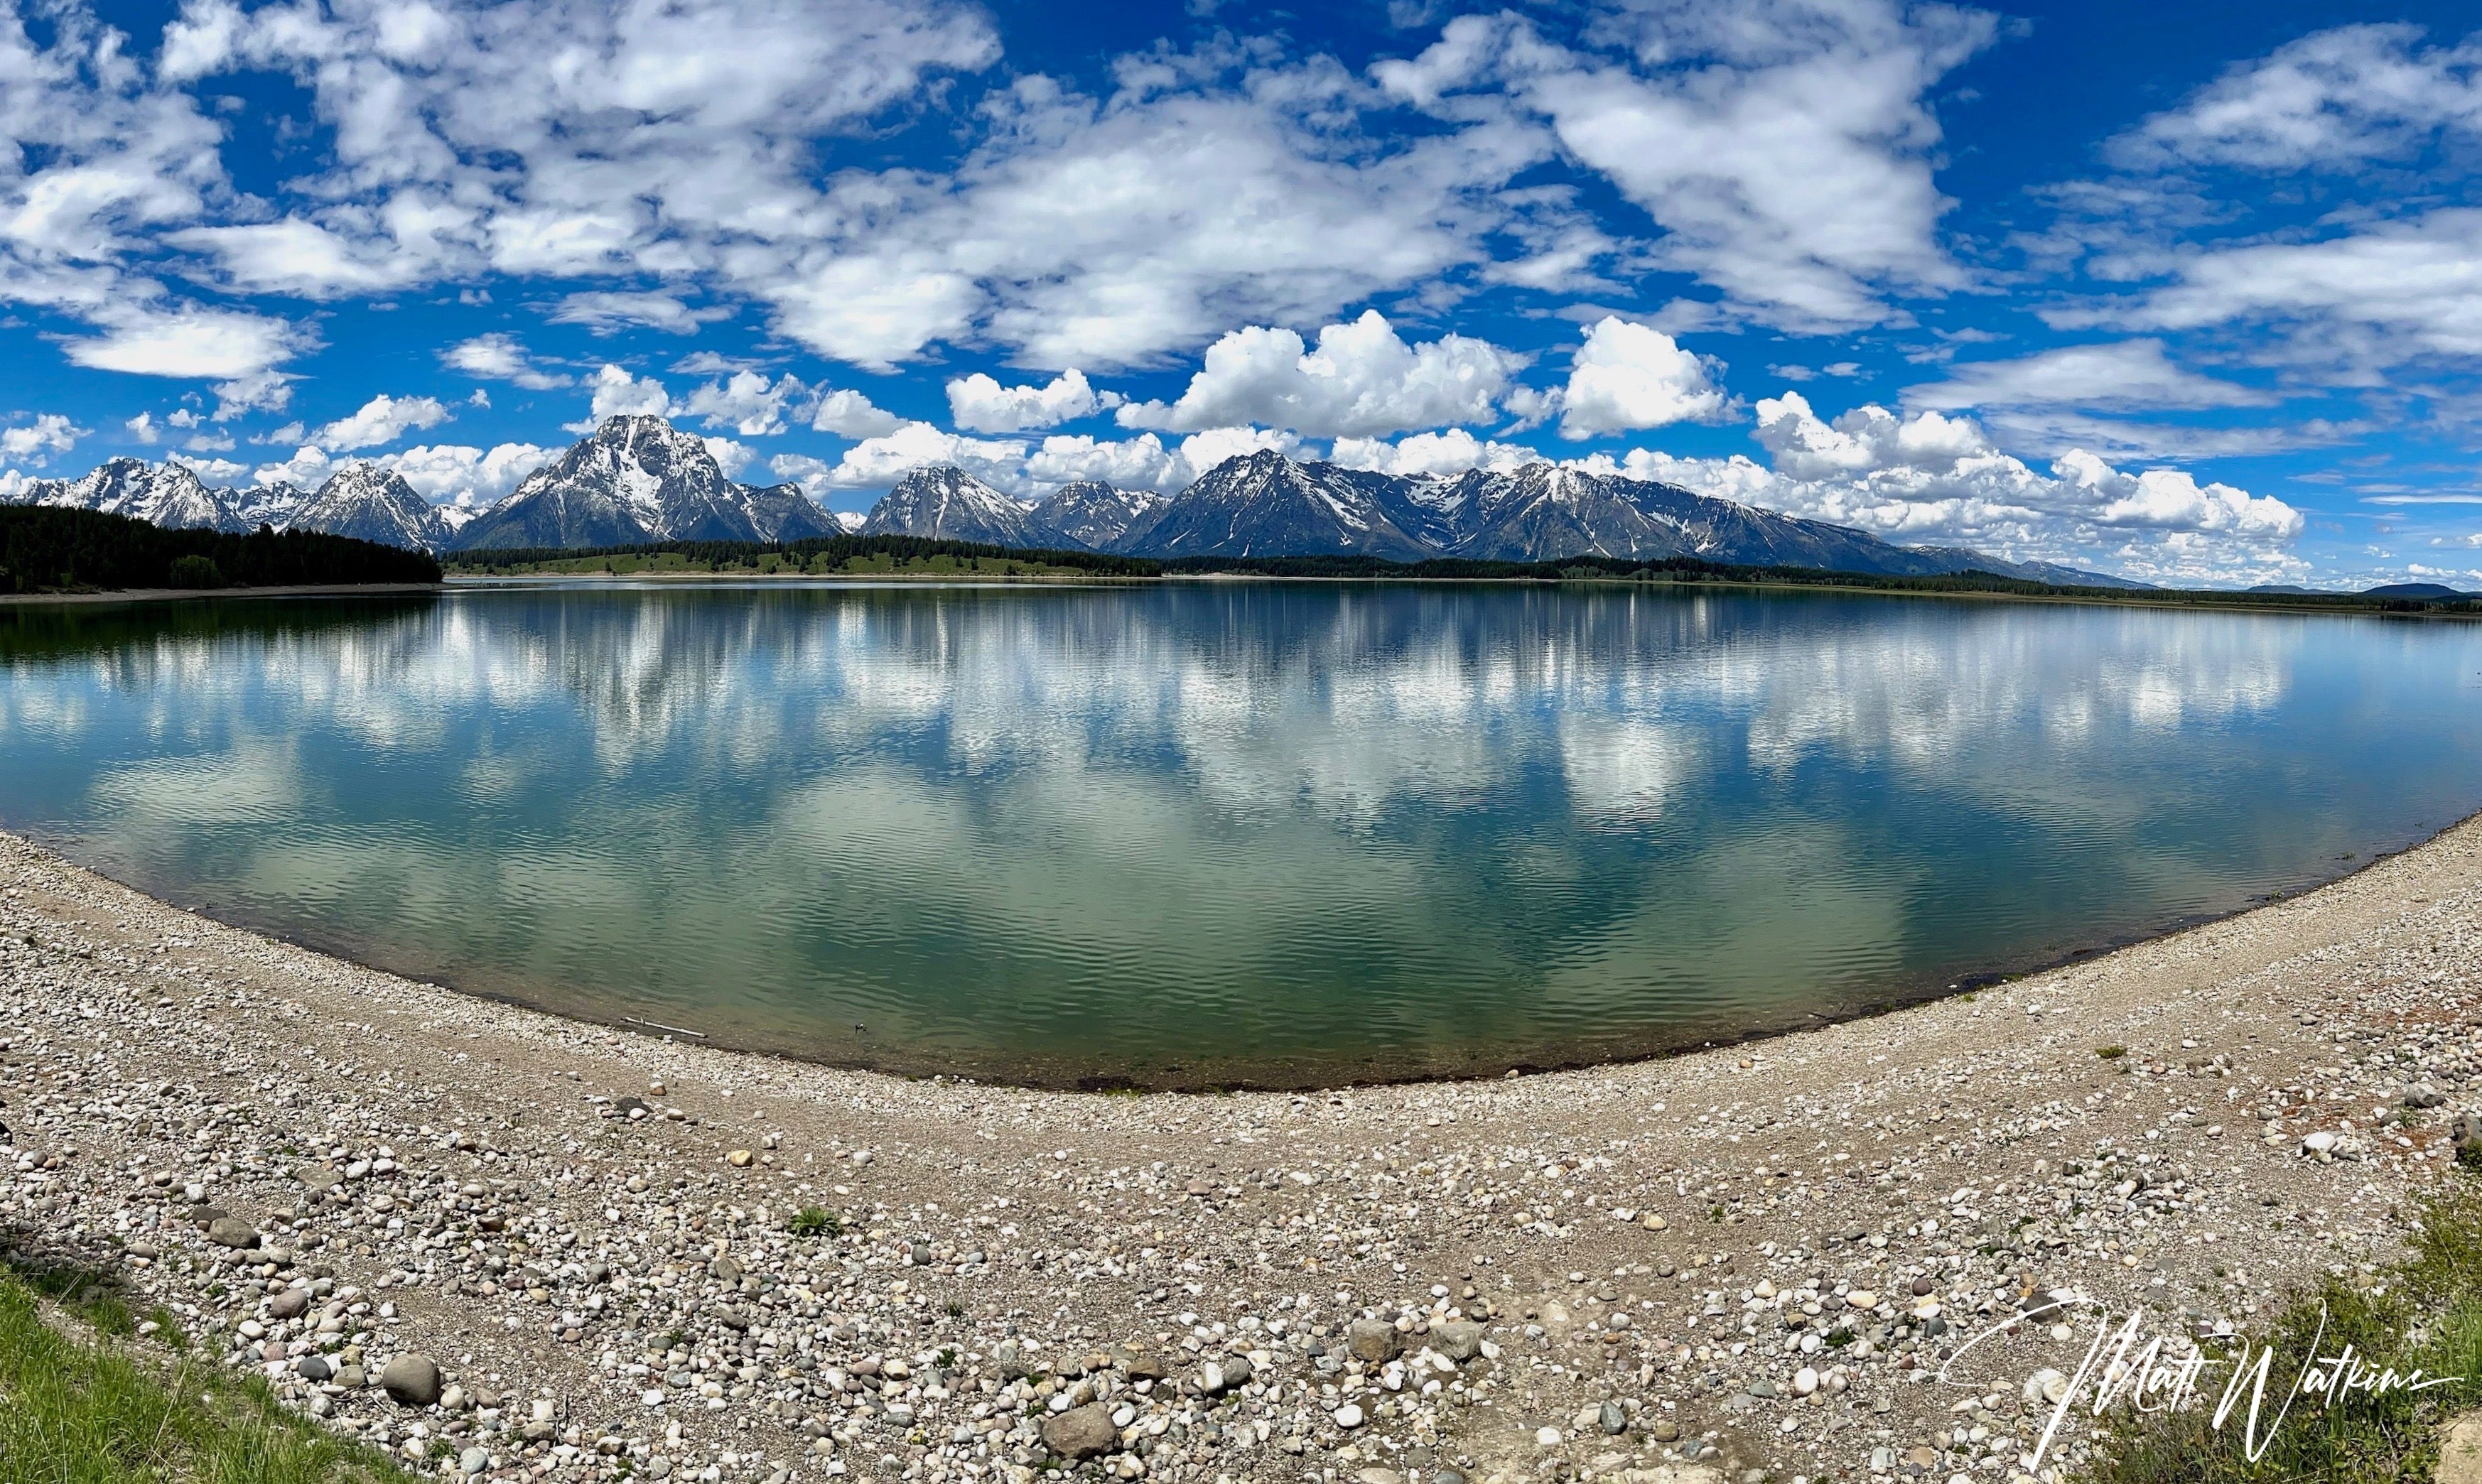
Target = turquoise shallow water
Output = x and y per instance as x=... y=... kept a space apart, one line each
x=1221 y=832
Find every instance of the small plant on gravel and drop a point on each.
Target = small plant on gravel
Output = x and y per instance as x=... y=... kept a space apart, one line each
x=2422 y=1317
x=817 y=1221
x=2469 y=1156
x=2111 y=1053
x=955 y=1310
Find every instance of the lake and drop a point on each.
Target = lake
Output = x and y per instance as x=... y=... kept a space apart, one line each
x=1221 y=833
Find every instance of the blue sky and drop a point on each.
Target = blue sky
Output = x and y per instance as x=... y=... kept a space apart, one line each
x=2190 y=292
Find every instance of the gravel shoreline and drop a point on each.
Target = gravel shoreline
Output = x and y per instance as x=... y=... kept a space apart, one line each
x=508 y=1245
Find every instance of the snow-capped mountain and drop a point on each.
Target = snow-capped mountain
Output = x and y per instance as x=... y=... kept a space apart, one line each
x=1092 y=514
x=949 y=504
x=167 y=494
x=1265 y=505
x=636 y=480
x=369 y=504
x=267 y=505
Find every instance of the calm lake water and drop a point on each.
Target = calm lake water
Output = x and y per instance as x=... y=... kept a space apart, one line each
x=1221 y=833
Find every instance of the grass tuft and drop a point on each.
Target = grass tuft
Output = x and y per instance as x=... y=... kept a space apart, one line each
x=2424 y=1313
x=89 y=1409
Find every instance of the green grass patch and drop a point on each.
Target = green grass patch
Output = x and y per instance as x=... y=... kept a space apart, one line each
x=81 y=1405
x=2424 y=1313
x=816 y=1221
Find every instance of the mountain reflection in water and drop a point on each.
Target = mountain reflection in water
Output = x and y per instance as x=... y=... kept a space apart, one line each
x=1221 y=832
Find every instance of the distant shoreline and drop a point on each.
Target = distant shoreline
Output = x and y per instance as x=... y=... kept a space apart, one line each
x=2205 y=600
x=172 y=594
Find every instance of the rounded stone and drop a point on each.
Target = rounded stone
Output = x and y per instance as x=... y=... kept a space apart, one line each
x=412 y=1380
x=1080 y=1432
x=1373 y=1341
x=232 y=1232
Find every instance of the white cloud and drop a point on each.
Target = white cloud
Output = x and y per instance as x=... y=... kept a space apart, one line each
x=1141 y=462
x=876 y=462
x=461 y=475
x=1208 y=188
x=980 y=404
x=849 y=414
x=214 y=473
x=2390 y=293
x=142 y=429
x=224 y=344
x=2332 y=99
x=618 y=394
x=1206 y=448
x=1452 y=452
x=308 y=469
x=730 y=457
x=1783 y=147
x=299 y=257
x=1362 y=380
x=747 y=403
x=1628 y=376
x=499 y=358
x=49 y=434
x=383 y=419
x=606 y=313
x=1932 y=479
x=2129 y=376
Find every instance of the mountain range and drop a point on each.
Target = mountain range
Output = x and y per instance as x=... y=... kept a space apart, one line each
x=638 y=479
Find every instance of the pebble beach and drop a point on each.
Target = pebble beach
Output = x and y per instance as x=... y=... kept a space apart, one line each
x=504 y=1245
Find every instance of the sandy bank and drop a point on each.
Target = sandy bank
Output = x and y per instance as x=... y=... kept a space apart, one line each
x=1755 y=1256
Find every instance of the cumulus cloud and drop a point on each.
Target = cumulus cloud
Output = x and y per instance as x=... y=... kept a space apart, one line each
x=1141 y=462
x=142 y=429
x=383 y=419
x=462 y=475
x=618 y=394
x=1452 y=452
x=878 y=462
x=1934 y=479
x=730 y=457
x=35 y=442
x=849 y=414
x=1627 y=377
x=499 y=358
x=980 y=404
x=745 y=401
x=1362 y=380
x=308 y=469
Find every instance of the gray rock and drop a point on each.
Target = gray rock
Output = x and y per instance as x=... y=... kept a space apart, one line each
x=727 y=1270
x=1224 y=1373
x=289 y=1304
x=1374 y=1341
x=410 y=1380
x=1080 y=1432
x=473 y=1461
x=312 y=1367
x=1614 y=1421
x=1459 y=1341
x=1665 y=1431
x=232 y=1232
